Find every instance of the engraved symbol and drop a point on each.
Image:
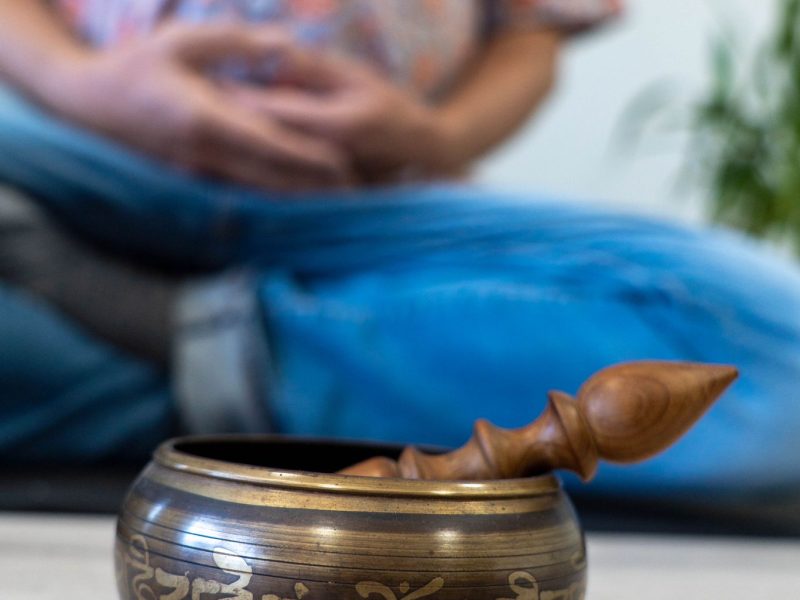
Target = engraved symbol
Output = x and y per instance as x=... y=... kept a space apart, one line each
x=366 y=588
x=138 y=559
x=524 y=585
x=231 y=564
x=180 y=585
x=300 y=590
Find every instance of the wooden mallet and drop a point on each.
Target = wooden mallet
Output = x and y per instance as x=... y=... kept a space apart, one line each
x=623 y=414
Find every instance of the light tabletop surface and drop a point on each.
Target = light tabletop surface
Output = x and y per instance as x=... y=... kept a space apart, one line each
x=67 y=558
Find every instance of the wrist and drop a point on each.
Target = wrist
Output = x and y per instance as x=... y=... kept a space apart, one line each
x=442 y=147
x=65 y=87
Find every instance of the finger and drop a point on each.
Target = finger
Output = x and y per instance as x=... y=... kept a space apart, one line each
x=315 y=70
x=239 y=135
x=210 y=44
x=328 y=116
x=228 y=161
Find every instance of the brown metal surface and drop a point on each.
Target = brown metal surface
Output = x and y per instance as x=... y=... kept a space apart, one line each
x=201 y=528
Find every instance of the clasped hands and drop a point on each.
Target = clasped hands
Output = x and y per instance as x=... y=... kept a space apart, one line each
x=325 y=122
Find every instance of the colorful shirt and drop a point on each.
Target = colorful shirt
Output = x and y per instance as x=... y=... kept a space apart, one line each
x=422 y=44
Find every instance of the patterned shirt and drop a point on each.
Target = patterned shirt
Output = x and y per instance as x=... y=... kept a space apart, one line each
x=422 y=44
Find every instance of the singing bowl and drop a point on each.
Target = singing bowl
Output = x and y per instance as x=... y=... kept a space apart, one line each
x=267 y=518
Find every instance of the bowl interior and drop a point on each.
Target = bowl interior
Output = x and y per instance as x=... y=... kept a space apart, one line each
x=309 y=463
x=292 y=454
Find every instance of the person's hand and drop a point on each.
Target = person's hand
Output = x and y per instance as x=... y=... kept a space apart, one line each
x=388 y=131
x=155 y=94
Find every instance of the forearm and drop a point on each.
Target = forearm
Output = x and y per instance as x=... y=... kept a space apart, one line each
x=153 y=95
x=514 y=74
x=37 y=51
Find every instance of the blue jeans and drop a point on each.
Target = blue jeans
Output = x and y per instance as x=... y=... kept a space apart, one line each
x=406 y=313
x=67 y=396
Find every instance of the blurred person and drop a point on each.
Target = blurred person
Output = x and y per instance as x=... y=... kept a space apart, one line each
x=245 y=216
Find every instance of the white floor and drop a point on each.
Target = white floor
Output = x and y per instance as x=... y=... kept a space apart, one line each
x=58 y=558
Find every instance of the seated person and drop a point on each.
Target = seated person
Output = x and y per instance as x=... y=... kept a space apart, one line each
x=276 y=162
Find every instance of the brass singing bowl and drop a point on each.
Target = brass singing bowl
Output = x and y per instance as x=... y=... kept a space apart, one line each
x=267 y=518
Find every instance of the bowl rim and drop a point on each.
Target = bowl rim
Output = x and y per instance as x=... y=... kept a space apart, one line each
x=167 y=455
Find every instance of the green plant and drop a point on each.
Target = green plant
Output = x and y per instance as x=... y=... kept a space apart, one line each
x=747 y=133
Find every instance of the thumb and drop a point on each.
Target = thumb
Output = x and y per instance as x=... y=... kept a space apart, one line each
x=318 y=70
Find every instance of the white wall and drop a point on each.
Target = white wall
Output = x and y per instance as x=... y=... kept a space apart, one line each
x=570 y=149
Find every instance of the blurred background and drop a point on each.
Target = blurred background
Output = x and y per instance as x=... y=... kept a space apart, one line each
x=619 y=131
x=657 y=44
x=647 y=117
